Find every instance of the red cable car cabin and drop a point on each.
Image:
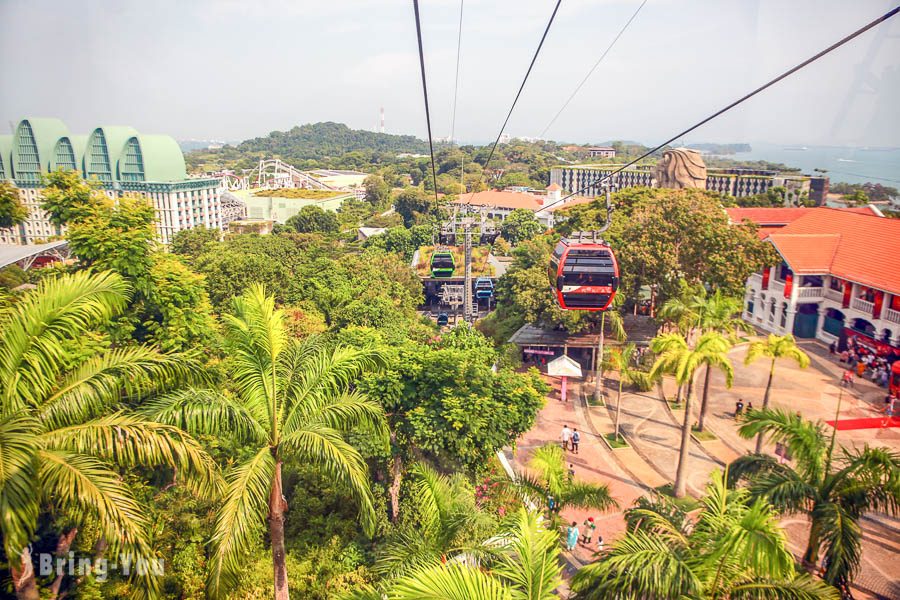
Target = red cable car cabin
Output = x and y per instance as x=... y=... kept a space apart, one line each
x=584 y=275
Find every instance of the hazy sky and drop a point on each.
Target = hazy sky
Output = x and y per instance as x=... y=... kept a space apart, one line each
x=232 y=69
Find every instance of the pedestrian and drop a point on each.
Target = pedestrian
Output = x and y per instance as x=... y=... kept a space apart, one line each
x=566 y=436
x=832 y=347
x=845 y=356
x=589 y=528
x=576 y=438
x=887 y=401
x=599 y=543
x=571 y=471
x=551 y=503
x=860 y=368
x=749 y=407
x=738 y=408
x=847 y=379
x=852 y=360
x=572 y=537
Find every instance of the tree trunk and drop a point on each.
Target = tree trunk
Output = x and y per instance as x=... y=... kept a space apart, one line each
x=678 y=394
x=23 y=577
x=811 y=556
x=683 y=455
x=759 y=438
x=703 y=401
x=618 y=407
x=277 y=508
x=394 y=490
x=62 y=548
x=598 y=386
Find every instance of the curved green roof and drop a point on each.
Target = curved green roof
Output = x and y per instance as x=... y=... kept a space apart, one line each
x=5 y=156
x=163 y=159
x=33 y=144
x=65 y=155
x=104 y=146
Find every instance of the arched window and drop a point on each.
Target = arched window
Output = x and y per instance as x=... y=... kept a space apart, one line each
x=886 y=336
x=863 y=326
x=784 y=308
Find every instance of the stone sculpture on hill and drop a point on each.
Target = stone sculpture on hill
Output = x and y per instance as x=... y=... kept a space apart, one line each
x=681 y=168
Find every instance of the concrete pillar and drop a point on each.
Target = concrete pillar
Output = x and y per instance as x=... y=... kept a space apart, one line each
x=789 y=322
x=563 y=388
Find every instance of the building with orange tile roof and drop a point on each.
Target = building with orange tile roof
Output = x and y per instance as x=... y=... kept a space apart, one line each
x=770 y=219
x=839 y=279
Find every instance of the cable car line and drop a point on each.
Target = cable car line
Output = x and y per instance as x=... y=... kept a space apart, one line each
x=789 y=72
x=519 y=93
x=425 y=92
x=591 y=72
x=456 y=81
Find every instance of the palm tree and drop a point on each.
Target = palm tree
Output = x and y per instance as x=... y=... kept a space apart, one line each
x=63 y=432
x=553 y=480
x=733 y=548
x=447 y=522
x=617 y=324
x=620 y=360
x=722 y=313
x=834 y=492
x=773 y=348
x=676 y=357
x=526 y=566
x=294 y=400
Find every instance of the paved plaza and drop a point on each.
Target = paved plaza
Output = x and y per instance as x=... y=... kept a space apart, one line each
x=653 y=430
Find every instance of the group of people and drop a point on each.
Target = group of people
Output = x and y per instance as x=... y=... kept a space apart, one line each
x=739 y=407
x=570 y=439
x=573 y=534
x=862 y=362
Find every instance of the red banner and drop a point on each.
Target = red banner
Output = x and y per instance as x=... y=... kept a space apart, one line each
x=765 y=283
x=848 y=291
x=788 y=285
x=877 y=303
x=871 y=344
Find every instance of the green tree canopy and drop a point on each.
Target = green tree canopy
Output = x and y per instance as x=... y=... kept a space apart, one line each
x=520 y=225
x=312 y=219
x=12 y=211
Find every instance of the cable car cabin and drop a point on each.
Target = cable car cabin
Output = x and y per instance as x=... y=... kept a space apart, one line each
x=442 y=264
x=443 y=319
x=484 y=288
x=583 y=275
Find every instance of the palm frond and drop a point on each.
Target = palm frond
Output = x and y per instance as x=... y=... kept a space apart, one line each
x=531 y=558
x=200 y=411
x=842 y=539
x=239 y=520
x=98 y=383
x=60 y=309
x=547 y=462
x=325 y=448
x=18 y=480
x=638 y=566
x=86 y=486
x=801 y=587
x=587 y=495
x=452 y=581
x=805 y=440
x=130 y=441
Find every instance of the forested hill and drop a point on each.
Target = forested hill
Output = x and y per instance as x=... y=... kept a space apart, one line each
x=313 y=142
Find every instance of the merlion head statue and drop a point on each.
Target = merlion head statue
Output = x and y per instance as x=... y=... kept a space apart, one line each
x=681 y=168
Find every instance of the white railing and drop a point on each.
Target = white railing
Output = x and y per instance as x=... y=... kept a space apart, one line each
x=810 y=292
x=892 y=315
x=862 y=305
x=835 y=295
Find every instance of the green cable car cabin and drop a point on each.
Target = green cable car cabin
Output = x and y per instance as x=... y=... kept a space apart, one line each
x=442 y=264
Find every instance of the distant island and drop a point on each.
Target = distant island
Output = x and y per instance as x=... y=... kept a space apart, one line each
x=721 y=149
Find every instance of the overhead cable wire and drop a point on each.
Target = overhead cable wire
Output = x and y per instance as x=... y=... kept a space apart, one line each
x=597 y=181
x=594 y=68
x=425 y=92
x=519 y=93
x=456 y=80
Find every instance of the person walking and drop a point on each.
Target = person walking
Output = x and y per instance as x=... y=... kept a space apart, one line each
x=571 y=472
x=738 y=408
x=576 y=438
x=566 y=436
x=749 y=406
x=599 y=543
x=572 y=537
x=589 y=528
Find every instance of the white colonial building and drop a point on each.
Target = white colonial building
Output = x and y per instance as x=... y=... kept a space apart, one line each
x=839 y=278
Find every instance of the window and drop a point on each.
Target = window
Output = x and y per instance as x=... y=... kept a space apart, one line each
x=836 y=284
x=811 y=281
x=784 y=308
x=866 y=293
x=782 y=272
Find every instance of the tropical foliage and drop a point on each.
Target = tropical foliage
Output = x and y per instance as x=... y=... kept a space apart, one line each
x=550 y=477
x=834 y=487
x=733 y=548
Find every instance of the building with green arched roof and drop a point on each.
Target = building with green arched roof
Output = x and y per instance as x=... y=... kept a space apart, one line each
x=123 y=161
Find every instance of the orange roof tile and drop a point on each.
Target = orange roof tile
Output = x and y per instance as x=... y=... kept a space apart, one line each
x=766 y=216
x=574 y=201
x=501 y=199
x=847 y=244
x=554 y=187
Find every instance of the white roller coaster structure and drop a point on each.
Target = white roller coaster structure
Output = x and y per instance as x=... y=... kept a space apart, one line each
x=270 y=174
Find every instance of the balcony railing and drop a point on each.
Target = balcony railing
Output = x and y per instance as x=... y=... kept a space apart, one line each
x=862 y=305
x=835 y=295
x=810 y=292
x=892 y=315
